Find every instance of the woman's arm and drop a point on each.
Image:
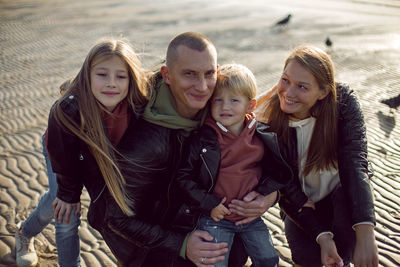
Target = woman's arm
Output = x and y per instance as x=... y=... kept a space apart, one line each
x=354 y=175
x=352 y=157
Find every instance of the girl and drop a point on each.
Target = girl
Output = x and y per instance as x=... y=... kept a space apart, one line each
x=321 y=130
x=67 y=238
x=87 y=123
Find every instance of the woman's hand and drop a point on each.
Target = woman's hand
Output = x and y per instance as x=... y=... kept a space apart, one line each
x=62 y=208
x=366 y=251
x=329 y=255
x=202 y=252
x=252 y=206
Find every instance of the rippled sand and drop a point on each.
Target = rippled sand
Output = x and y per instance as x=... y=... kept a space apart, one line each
x=42 y=43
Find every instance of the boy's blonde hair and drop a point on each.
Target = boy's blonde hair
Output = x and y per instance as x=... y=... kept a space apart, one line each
x=238 y=79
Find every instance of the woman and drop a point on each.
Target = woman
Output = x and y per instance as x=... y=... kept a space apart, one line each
x=322 y=134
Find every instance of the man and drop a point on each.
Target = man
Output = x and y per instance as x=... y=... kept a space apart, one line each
x=190 y=73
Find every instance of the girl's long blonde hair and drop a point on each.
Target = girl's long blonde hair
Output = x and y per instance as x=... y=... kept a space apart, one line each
x=90 y=129
x=322 y=152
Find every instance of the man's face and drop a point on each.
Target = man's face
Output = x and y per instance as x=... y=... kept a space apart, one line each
x=192 y=78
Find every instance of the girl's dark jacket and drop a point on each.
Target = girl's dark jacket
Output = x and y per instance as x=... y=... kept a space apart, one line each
x=148 y=162
x=198 y=173
x=352 y=164
x=71 y=159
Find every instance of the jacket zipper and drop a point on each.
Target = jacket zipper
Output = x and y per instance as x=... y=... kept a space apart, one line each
x=173 y=177
x=209 y=172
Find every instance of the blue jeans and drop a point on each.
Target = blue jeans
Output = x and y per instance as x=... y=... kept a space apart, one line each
x=254 y=235
x=67 y=238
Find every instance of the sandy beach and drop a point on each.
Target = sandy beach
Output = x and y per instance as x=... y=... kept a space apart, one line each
x=42 y=43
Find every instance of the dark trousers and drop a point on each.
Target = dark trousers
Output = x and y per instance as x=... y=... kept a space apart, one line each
x=332 y=211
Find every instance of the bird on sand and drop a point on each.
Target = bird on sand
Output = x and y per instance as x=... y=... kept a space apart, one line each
x=284 y=21
x=393 y=102
x=328 y=42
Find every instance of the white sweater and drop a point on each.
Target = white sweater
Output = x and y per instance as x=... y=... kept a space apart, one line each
x=317 y=184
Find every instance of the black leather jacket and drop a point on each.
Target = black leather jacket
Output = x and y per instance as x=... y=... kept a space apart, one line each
x=71 y=159
x=198 y=173
x=352 y=163
x=150 y=157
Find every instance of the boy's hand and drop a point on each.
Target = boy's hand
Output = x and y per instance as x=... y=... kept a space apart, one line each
x=219 y=211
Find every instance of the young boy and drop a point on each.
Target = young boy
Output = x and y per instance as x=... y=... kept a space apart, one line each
x=230 y=156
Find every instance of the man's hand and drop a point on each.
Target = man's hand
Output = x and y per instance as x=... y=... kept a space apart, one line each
x=219 y=211
x=62 y=208
x=366 y=251
x=252 y=206
x=202 y=252
x=329 y=255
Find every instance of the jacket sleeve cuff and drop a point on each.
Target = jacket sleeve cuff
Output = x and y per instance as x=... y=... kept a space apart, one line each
x=182 y=252
x=323 y=233
x=369 y=223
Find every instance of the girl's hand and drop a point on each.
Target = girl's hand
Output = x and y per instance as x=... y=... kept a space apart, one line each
x=329 y=255
x=219 y=211
x=366 y=251
x=62 y=208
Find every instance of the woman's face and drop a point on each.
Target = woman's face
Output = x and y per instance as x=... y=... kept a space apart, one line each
x=298 y=91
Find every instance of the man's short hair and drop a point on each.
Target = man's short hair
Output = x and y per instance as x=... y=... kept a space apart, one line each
x=192 y=40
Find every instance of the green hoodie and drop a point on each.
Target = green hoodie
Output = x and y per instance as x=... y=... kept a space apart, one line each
x=161 y=109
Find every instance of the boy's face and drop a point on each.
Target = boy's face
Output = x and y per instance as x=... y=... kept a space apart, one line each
x=230 y=109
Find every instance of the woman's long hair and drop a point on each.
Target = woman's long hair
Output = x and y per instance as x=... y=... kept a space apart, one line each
x=91 y=129
x=322 y=152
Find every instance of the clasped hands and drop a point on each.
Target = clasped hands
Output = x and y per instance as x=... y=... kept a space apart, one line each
x=202 y=252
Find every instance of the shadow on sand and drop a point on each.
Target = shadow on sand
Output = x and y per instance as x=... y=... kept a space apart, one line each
x=386 y=122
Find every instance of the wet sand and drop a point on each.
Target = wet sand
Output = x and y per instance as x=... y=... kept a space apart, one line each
x=42 y=43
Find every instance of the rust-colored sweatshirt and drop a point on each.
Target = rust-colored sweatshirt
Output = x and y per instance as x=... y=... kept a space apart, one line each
x=240 y=170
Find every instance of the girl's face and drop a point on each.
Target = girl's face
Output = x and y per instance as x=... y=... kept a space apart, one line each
x=298 y=91
x=230 y=109
x=109 y=82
